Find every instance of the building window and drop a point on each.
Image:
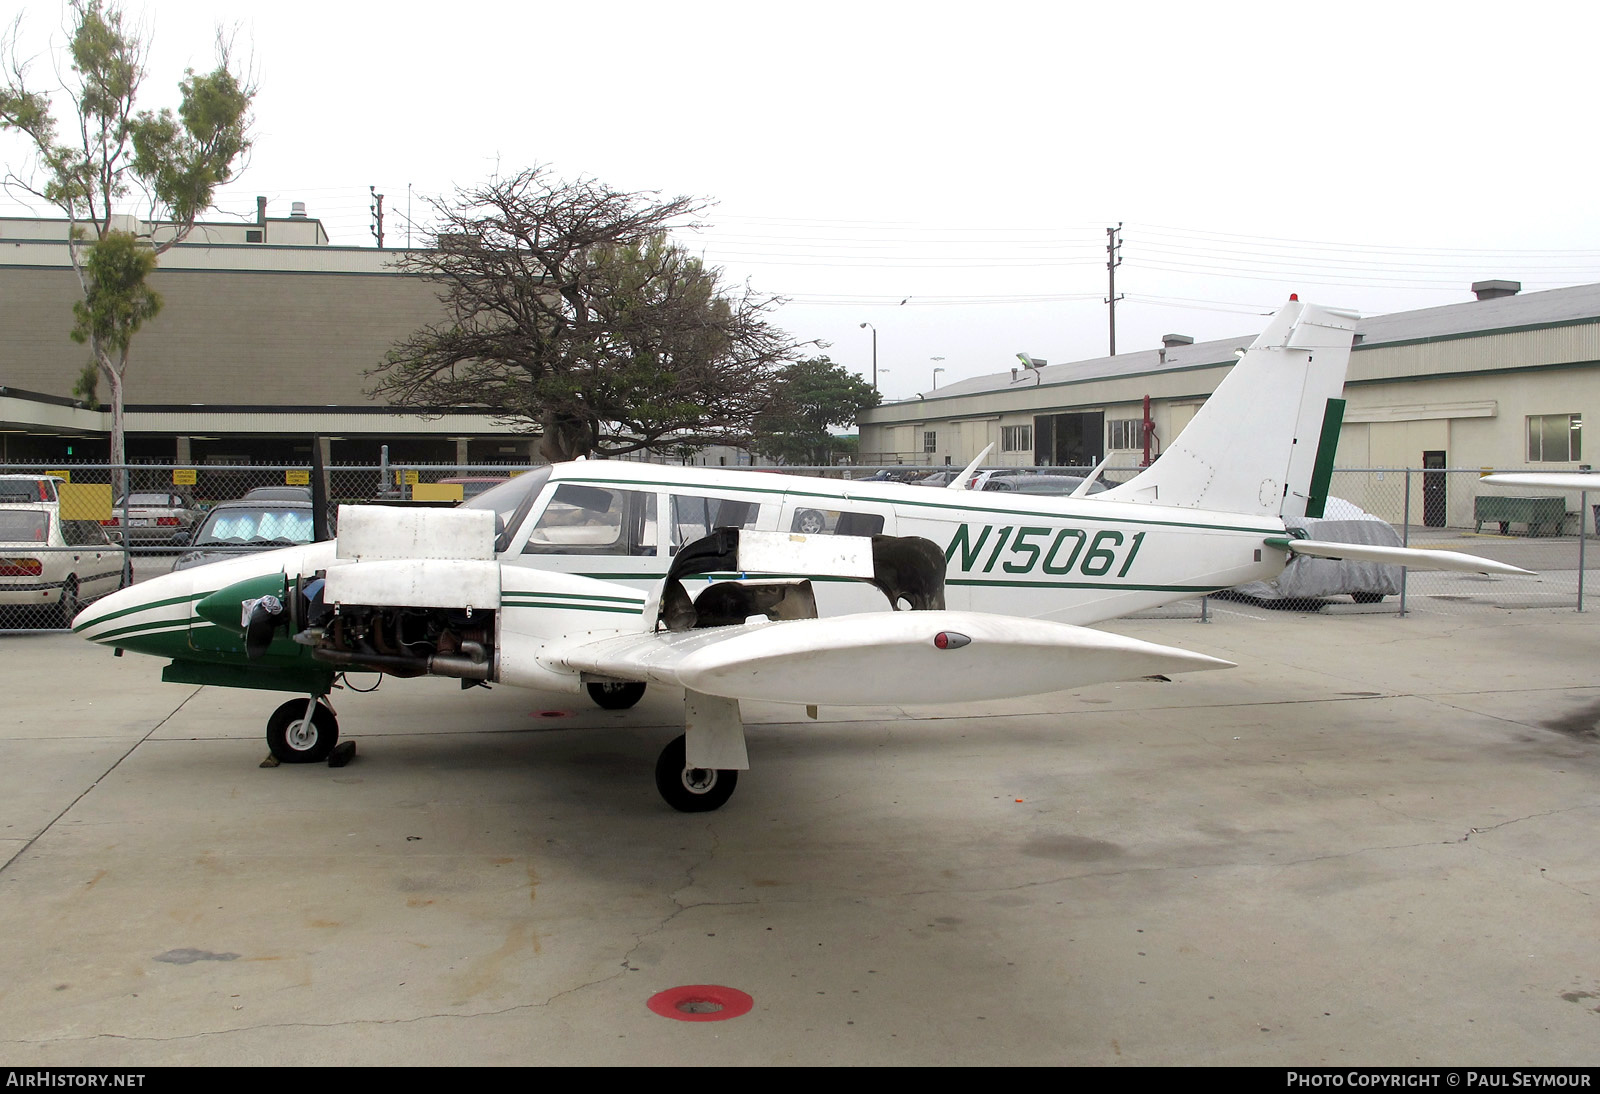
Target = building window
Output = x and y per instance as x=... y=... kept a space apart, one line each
x=1555 y=438
x=930 y=442
x=1125 y=433
x=1016 y=438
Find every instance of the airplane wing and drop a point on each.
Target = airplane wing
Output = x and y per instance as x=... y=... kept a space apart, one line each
x=1414 y=557
x=878 y=658
x=1546 y=480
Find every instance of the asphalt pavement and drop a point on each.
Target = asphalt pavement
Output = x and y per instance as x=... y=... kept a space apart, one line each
x=1373 y=842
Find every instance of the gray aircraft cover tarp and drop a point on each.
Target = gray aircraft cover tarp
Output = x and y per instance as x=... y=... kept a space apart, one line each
x=1307 y=577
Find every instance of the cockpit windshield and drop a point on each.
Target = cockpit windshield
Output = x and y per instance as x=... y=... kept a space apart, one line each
x=510 y=502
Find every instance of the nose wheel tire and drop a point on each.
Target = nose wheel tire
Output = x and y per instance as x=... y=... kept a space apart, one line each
x=691 y=789
x=293 y=739
x=616 y=696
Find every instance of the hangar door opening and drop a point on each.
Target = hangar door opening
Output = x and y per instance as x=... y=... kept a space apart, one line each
x=1069 y=440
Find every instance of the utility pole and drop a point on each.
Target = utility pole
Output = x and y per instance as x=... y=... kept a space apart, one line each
x=875 y=352
x=1113 y=260
x=377 y=215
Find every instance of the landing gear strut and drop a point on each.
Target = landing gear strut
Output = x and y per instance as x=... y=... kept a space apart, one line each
x=691 y=789
x=295 y=739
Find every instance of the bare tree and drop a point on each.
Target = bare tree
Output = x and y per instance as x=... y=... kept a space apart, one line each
x=177 y=162
x=573 y=314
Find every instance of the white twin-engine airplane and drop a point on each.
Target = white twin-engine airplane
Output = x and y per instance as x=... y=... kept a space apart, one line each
x=737 y=585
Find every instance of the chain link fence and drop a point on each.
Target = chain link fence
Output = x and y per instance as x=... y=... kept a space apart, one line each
x=93 y=528
x=1545 y=531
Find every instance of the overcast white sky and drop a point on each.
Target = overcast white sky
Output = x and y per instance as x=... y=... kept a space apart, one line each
x=1379 y=156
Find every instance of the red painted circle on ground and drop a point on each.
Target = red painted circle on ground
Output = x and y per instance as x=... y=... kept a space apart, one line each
x=701 y=1003
x=551 y=714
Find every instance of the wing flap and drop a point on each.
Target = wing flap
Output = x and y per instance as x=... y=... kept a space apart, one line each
x=881 y=657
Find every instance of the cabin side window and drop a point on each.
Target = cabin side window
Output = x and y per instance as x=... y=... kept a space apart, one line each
x=835 y=522
x=595 y=520
x=694 y=517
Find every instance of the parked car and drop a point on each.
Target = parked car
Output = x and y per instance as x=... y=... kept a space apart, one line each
x=277 y=493
x=1049 y=485
x=1311 y=579
x=29 y=488
x=54 y=565
x=936 y=478
x=245 y=527
x=155 y=517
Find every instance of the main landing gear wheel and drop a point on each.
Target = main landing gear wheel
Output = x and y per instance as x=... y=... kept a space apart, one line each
x=618 y=696
x=294 y=740
x=691 y=789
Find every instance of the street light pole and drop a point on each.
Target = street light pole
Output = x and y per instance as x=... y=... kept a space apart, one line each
x=874 y=355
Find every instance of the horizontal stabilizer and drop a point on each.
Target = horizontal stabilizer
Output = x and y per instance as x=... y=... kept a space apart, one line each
x=879 y=658
x=1415 y=558
x=1546 y=480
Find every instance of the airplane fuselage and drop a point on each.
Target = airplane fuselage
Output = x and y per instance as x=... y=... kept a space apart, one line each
x=1070 y=560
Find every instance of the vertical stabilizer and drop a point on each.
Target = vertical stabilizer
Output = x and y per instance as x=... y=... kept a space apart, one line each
x=1252 y=448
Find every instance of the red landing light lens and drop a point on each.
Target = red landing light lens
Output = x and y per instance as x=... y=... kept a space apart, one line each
x=950 y=640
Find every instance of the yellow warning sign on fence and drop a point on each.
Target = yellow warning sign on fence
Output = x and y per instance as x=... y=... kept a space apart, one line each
x=436 y=491
x=86 y=501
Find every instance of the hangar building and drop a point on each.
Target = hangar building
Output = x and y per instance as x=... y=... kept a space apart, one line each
x=263 y=341
x=1505 y=380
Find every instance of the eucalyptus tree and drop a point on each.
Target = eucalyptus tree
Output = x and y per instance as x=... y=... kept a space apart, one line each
x=131 y=182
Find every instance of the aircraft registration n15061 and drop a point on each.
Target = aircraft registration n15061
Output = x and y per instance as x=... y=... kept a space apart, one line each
x=608 y=577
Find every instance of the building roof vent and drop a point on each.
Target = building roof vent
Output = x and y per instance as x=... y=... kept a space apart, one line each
x=297 y=209
x=1493 y=290
x=1170 y=340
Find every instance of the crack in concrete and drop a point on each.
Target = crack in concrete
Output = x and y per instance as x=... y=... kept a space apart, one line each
x=680 y=908
x=49 y=825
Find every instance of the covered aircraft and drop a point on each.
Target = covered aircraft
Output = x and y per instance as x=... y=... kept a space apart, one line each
x=732 y=585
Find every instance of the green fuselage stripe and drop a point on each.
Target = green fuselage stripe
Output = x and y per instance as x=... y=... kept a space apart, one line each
x=147 y=607
x=151 y=627
x=1109 y=586
x=634 y=600
x=574 y=607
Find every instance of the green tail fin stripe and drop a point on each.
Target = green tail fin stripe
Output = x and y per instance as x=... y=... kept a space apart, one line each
x=1322 y=471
